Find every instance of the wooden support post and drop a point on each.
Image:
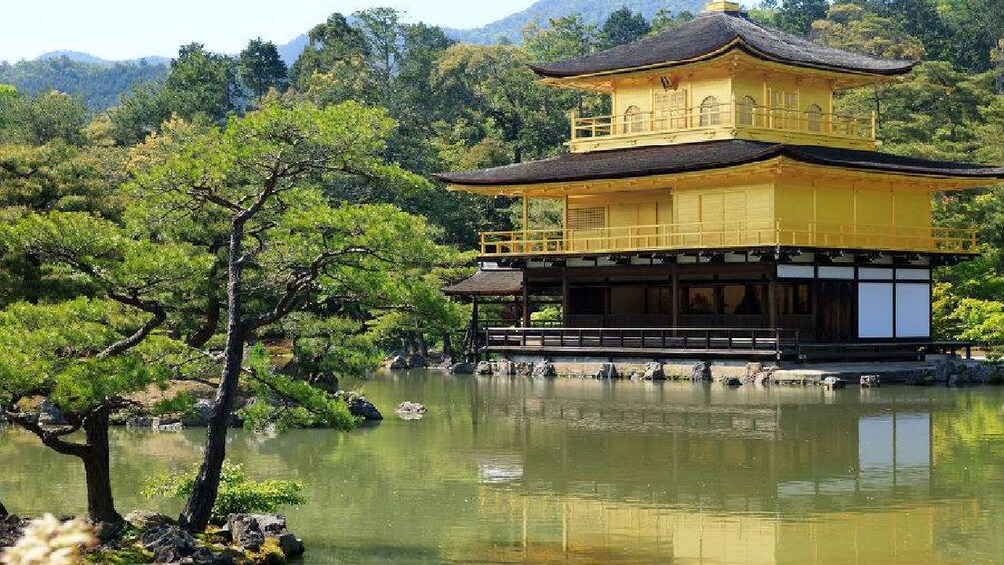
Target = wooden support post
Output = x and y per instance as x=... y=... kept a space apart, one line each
x=526 y=302
x=564 y=296
x=772 y=300
x=675 y=309
x=475 y=330
x=526 y=224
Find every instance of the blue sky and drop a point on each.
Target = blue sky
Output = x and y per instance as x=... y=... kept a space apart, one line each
x=126 y=29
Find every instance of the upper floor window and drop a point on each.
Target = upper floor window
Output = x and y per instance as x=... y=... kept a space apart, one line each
x=747 y=106
x=711 y=112
x=814 y=118
x=633 y=120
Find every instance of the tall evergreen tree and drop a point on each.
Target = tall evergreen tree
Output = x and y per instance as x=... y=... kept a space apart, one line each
x=260 y=68
x=621 y=27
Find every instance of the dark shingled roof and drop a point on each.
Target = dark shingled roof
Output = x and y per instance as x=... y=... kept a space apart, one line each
x=669 y=159
x=488 y=283
x=711 y=32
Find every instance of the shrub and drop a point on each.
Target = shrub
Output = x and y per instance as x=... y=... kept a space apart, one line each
x=237 y=494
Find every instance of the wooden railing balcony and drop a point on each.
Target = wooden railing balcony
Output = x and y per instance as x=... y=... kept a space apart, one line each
x=737 y=120
x=727 y=235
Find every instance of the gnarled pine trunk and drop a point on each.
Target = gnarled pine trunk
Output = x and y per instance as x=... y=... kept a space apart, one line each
x=97 y=471
x=199 y=507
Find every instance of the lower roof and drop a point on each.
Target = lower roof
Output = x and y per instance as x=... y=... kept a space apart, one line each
x=669 y=159
x=488 y=283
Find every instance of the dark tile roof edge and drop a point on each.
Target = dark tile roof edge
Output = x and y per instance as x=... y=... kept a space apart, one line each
x=720 y=34
x=853 y=159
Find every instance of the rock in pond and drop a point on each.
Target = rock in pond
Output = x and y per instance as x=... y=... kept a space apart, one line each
x=397 y=363
x=408 y=410
x=869 y=381
x=653 y=372
x=463 y=369
x=701 y=371
x=732 y=381
x=250 y=531
x=416 y=361
x=359 y=406
x=607 y=371
x=833 y=383
x=543 y=369
x=484 y=368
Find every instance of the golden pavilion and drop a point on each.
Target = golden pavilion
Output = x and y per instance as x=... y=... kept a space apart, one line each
x=724 y=209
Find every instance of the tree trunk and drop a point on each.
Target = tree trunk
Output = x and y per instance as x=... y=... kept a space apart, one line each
x=97 y=472
x=199 y=507
x=447 y=345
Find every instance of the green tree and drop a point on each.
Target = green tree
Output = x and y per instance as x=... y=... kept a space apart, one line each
x=260 y=68
x=493 y=83
x=255 y=182
x=565 y=38
x=851 y=28
x=46 y=117
x=201 y=84
x=331 y=45
x=622 y=26
x=665 y=19
x=796 y=16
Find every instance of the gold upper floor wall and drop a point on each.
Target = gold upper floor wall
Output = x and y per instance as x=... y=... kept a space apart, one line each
x=762 y=205
x=733 y=97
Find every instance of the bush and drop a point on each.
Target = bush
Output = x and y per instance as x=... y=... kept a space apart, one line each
x=237 y=494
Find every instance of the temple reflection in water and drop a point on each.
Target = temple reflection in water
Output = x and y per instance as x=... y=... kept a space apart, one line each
x=718 y=476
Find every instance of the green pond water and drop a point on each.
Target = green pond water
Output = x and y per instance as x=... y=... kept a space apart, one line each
x=583 y=471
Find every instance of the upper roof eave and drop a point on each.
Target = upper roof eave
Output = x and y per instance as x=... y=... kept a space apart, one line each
x=712 y=33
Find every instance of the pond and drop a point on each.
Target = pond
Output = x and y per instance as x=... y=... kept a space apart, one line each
x=566 y=470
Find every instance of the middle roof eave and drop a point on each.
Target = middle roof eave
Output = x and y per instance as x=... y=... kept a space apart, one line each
x=692 y=157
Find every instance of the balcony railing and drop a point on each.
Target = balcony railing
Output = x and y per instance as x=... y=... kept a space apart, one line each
x=738 y=115
x=726 y=235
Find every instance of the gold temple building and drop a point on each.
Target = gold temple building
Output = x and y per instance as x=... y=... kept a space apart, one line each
x=724 y=209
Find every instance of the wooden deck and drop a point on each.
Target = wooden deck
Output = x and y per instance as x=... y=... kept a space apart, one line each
x=703 y=343
x=740 y=343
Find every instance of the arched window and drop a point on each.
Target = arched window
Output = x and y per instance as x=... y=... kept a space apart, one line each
x=814 y=117
x=746 y=108
x=633 y=120
x=711 y=112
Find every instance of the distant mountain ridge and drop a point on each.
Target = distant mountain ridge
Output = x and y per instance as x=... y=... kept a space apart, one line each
x=592 y=12
x=78 y=57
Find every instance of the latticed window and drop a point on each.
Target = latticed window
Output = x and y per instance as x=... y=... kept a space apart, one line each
x=587 y=218
x=814 y=117
x=671 y=109
x=784 y=109
x=633 y=120
x=711 y=112
x=747 y=106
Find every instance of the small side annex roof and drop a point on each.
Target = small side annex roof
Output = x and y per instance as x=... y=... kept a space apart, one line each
x=488 y=283
x=710 y=35
x=709 y=155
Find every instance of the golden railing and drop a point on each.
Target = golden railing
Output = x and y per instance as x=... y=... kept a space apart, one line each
x=725 y=115
x=723 y=234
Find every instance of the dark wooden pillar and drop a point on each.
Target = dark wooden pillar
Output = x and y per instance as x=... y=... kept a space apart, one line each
x=526 y=302
x=772 y=303
x=676 y=298
x=564 y=297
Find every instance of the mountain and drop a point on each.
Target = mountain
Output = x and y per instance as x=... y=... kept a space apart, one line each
x=78 y=57
x=592 y=11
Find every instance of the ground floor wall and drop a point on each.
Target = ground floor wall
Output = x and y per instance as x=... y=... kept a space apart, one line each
x=825 y=298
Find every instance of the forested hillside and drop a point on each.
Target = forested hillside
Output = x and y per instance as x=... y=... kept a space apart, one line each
x=98 y=84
